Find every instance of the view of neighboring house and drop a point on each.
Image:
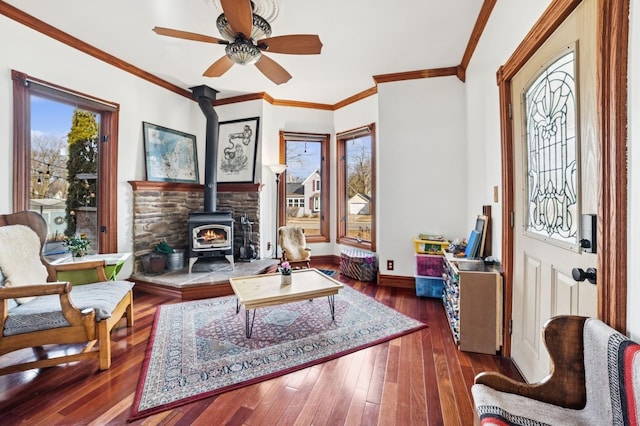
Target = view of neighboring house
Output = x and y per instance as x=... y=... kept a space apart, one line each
x=359 y=204
x=304 y=195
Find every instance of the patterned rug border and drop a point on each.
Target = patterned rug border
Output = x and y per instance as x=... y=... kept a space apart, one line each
x=135 y=414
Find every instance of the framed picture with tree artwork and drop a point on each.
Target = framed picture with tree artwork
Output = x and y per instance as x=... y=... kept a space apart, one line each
x=237 y=150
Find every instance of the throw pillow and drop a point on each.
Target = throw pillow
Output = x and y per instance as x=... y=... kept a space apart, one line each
x=20 y=258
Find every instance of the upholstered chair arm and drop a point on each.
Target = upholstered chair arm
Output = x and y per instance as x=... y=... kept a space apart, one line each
x=565 y=386
x=98 y=265
x=75 y=317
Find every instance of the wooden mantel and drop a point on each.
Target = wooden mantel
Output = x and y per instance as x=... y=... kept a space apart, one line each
x=145 y=185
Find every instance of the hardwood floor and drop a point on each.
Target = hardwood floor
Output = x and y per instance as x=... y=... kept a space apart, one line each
x=418 y=379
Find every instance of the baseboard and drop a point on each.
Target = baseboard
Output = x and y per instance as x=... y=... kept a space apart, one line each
x=396 y=281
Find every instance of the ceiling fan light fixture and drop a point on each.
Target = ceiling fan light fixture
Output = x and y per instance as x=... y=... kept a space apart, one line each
x=259 y=30
x=225 y=29
x=243 y=52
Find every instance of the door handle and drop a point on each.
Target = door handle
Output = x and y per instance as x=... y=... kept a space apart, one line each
x=579 y=274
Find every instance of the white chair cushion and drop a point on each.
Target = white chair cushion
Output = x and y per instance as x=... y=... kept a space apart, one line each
x=20 y=258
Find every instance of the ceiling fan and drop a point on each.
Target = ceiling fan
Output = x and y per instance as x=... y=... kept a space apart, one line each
x=246 y=36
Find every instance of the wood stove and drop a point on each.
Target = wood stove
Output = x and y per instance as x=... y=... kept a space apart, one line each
x=210 y=231
x=210 y=236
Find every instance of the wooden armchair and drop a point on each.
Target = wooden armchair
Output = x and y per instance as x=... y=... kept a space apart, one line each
x=294 y=247
x=38 y=314
x=593 y=380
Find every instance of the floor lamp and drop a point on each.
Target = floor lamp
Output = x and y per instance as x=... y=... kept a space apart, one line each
x=277 y=169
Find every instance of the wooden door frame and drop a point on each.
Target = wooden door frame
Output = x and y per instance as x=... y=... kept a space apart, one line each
x=611 y=60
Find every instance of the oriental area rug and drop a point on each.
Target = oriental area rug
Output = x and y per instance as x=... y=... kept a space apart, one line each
x=198 y=349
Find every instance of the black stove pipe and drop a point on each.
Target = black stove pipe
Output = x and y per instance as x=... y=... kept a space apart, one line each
x=206 y=96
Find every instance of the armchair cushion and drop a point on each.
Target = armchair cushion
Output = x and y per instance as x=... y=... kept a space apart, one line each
x=293 y=242
x=45 y=312
x=20 y=258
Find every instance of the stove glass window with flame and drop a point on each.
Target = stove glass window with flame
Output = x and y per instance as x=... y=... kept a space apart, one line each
x=211 y=237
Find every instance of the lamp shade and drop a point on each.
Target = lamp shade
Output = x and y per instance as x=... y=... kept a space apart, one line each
x=259 y=30
x=278 y=169
x=243 y=52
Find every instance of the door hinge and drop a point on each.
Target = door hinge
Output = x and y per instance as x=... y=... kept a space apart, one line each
x=105 y=138
x=512 y=219
x=510 y=326
x=509 y=111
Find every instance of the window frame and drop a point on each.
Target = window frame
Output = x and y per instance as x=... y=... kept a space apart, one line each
x=324 y=140
x=23 y=87
x=342 y=196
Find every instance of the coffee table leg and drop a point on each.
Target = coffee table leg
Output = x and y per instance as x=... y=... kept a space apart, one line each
x=332 y=306
x=237 y=305
x=249 y=324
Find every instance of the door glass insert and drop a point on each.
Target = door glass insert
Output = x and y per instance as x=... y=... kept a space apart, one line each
x=552 y=153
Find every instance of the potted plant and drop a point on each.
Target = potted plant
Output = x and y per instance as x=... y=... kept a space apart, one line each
x=285 y=273
x=77 y=245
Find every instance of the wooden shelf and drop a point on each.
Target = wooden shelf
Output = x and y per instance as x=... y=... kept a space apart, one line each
x=473 y=302
x=145 y=185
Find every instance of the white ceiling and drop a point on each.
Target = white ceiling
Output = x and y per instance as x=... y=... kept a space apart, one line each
x=361 y=38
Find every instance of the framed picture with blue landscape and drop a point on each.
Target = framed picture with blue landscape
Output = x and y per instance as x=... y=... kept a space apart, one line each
x=170 y=155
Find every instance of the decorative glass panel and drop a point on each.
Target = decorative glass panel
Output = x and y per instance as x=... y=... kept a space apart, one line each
x=552 y=151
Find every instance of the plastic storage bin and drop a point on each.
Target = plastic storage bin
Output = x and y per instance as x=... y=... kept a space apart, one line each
x=430 y=246
x=429 y=286
x=429 y=265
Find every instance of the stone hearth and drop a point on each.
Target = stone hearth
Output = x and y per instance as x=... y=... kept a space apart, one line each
x=220 y=272
x=161 y=211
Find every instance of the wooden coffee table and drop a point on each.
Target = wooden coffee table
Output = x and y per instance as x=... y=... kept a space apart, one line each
x=258 y=291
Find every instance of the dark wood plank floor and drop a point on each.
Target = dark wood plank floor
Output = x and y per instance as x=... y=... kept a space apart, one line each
x=418 y=379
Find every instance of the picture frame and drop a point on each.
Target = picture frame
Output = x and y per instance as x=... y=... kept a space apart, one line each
x=237 y=150
x=481 y=227
x=170 y=155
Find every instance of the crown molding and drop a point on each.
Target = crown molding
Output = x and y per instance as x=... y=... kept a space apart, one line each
x=19 y=16
x=412 y=75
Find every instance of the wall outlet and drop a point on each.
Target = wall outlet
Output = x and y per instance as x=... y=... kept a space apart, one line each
x=389 y=265
x=269 y=245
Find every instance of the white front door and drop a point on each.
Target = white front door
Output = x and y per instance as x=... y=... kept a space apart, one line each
x=556 y=179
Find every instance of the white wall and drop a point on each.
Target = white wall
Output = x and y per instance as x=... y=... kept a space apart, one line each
x=509 y=24
x=633 y=282
x=44 y=58
x=421 y=167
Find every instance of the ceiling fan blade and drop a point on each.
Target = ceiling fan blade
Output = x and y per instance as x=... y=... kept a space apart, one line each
x=219 y=67
x=272 y=70
x=239 y=15
x=187 y=35
x=296 y=44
